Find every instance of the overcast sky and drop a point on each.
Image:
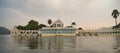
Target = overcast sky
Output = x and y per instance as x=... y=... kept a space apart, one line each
x=89 y=14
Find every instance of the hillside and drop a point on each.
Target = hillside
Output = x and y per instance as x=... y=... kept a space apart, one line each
x=4 y=30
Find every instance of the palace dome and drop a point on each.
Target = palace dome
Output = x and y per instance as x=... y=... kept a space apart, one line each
x=58 y=23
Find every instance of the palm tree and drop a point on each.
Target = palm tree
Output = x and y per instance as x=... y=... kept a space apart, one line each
x=115 y=14
x=73 y=24
x=49 y=21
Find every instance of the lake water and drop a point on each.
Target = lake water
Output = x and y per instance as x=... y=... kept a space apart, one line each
x=60 y=44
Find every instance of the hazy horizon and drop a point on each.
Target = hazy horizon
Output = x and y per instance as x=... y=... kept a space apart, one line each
x=88 y=14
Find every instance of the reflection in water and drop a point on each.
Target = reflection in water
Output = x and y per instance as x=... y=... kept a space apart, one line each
x=117 y=46
x=95 y=44
x=29 y=41
x=56 y=43
x=33 y=43
x=70 y=44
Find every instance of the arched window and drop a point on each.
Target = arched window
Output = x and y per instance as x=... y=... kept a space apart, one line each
x=27 y=32
x=21 y=32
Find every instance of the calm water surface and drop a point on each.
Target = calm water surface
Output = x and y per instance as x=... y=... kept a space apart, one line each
x=60 y=44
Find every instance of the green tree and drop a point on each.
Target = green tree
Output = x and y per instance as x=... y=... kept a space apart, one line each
x=73 y=24
x=49 y=21
x=32 y=25
x=117 y=26
x=42 y=25
x=115 y=14
x=20 y=27
x=80 y=28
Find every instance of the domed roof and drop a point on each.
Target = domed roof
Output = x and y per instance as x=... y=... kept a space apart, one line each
x=58 y=23
x=58 y=20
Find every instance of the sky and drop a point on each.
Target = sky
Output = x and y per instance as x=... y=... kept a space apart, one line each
x=88 y=14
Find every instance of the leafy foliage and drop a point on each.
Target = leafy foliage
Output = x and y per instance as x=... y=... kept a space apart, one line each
x=80 y=28
x=20 y=27
x=49 y=21
x=32 y=25
x=117 y=26
x=115 y=14
x=73 y=23
x=42 y=25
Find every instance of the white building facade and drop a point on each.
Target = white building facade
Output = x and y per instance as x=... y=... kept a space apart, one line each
x=58 y=29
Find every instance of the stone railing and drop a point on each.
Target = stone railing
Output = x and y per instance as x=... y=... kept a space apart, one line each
x=96 y=32
x=25 y=32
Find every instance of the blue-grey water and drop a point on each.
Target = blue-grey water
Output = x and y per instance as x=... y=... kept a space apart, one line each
x=60 y=44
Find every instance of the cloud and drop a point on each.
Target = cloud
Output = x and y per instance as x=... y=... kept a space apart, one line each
x=83 y=12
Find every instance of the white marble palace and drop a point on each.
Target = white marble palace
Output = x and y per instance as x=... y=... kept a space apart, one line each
x=57 y=29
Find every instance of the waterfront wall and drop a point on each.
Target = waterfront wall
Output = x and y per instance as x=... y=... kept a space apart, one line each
x=25 y=32
x=97 y=32
x=78 y=32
